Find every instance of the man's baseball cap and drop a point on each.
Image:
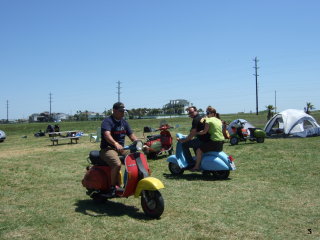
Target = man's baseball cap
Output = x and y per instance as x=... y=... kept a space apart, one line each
x=119 y=106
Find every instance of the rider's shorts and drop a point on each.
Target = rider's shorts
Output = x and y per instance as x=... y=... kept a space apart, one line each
x=111 y=156
x=215 y=146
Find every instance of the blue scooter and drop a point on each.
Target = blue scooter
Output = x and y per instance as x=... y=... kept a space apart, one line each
x=219 y=164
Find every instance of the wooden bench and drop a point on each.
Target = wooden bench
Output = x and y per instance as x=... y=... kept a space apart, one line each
x=57 y=139
x=71 y=133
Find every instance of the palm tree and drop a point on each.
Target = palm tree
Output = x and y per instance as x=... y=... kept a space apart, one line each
x=270 y=113
x=86 y=115
x=310 y=106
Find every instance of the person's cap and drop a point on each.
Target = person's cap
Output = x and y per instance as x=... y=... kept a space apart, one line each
x=119 y=106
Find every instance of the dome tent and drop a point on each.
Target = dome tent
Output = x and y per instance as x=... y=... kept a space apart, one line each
x=292 y=122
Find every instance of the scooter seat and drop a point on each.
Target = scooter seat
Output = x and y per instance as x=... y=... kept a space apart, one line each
x=95 y=159
x=153 y=137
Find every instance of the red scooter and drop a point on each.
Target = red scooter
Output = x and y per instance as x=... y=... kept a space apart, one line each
x=158 y=145
x=136 y=180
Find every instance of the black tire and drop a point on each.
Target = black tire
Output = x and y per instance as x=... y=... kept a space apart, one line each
x=96 y=197
x=206 y=173
x=260 y=140
x=234 y=141
x=171 y=152
x=99 y=199
x=175 y=169
x=221 y=174
x=152 y=155
x=152 y=203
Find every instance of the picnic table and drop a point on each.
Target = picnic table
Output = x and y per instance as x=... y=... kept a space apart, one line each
x=72 y=135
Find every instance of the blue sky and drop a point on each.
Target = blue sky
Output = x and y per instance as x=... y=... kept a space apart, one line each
x=201 y=51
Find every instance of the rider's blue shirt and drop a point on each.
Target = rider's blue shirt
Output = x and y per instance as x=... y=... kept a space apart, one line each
x=118 y=129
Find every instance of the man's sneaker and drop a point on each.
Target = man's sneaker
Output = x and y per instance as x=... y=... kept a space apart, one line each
x=190 y=166
x=111 y=193
x=119 y=189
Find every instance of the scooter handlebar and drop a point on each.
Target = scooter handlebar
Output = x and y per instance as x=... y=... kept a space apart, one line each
x=134 y=146
x=163 y=128
x=181 y=136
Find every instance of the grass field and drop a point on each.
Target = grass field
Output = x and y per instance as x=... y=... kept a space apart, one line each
x=273 y=194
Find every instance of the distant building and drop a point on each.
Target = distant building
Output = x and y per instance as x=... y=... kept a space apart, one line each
x=45 y=117
x=34 y=117
x=177 y=106
x=95 y=116
x=177 y=102
x=58 y=117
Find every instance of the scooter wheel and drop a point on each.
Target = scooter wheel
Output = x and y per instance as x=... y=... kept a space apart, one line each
x=206 y=173
x=175 y=169
x=152 y=203
x=234 y=141
x=152 y=155
x=260 y=140
x=221 y=174
x=171 y=152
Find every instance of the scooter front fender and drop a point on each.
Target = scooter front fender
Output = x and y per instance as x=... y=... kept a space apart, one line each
x=179 y=158
x=148 y=183
x=181 y=162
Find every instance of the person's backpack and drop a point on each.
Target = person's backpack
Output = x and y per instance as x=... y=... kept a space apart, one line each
x=147 y=129
x=50 y=129
x=56 y=128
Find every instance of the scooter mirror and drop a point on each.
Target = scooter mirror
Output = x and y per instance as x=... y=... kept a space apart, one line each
x=139 y=145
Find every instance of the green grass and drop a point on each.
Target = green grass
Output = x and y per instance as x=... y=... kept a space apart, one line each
x=273 y=194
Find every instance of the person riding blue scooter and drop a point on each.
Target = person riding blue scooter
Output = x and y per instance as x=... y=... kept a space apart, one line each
x=193 y=140
x=210 y=157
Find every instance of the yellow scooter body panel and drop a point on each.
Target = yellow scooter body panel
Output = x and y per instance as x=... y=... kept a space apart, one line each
x=148 y=183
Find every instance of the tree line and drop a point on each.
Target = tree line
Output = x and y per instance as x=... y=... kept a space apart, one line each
x=131 y=113
x=143 y=112
x=309 y=106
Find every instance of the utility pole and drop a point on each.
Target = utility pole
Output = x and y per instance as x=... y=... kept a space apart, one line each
x=275 y=101
x=50 y=101
x=256 y=75
x=7 y=111
x=119 y=90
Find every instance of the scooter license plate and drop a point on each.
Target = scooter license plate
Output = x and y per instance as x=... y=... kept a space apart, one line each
x=233 y=166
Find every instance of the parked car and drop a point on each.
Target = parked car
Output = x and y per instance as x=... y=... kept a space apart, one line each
x=2 y=136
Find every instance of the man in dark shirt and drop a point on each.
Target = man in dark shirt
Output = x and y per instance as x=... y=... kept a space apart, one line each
x=193 y=141
x=113 y=131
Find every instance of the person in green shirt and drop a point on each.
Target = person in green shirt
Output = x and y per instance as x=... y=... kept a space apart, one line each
x=214 y=127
